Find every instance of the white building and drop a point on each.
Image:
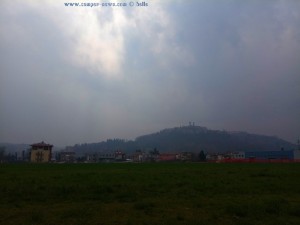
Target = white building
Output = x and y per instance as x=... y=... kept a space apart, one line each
x=237 y=155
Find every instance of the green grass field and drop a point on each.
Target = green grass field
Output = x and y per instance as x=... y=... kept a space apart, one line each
x=158 y=193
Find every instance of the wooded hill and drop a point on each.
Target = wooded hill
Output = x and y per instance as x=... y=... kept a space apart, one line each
x=192 y=139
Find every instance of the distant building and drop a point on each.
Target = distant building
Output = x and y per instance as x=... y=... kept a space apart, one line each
x=106 y=157
x=168 y=157
x=139 y=156
x=237 y=155
x=256 y=156
x=67 y=156
x=120 y=156
x=270 y=155
x=92 y=157
x=212 y=157
x=40 y=152
x=186 y=156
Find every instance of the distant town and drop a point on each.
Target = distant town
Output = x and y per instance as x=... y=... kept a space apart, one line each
x=42 y=153
x=180 y=144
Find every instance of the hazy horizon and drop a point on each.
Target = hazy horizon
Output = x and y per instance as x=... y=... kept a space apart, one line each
x=140 y=135
x=86 y=74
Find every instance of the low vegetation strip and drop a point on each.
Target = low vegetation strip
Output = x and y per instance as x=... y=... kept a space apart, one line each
x=150 y=193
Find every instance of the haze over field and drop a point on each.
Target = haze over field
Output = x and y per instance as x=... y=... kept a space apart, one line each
x=84 y=74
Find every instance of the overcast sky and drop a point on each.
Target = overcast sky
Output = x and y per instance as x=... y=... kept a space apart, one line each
x=84 y=74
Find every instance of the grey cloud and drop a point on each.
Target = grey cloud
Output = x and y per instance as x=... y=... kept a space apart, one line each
x=225 y=65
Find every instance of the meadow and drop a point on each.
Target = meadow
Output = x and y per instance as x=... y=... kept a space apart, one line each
x=150 y=193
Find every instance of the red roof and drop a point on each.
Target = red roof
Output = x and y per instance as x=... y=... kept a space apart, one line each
x=41 y=144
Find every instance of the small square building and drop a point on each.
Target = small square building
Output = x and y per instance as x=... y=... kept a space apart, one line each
x=40 y=152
